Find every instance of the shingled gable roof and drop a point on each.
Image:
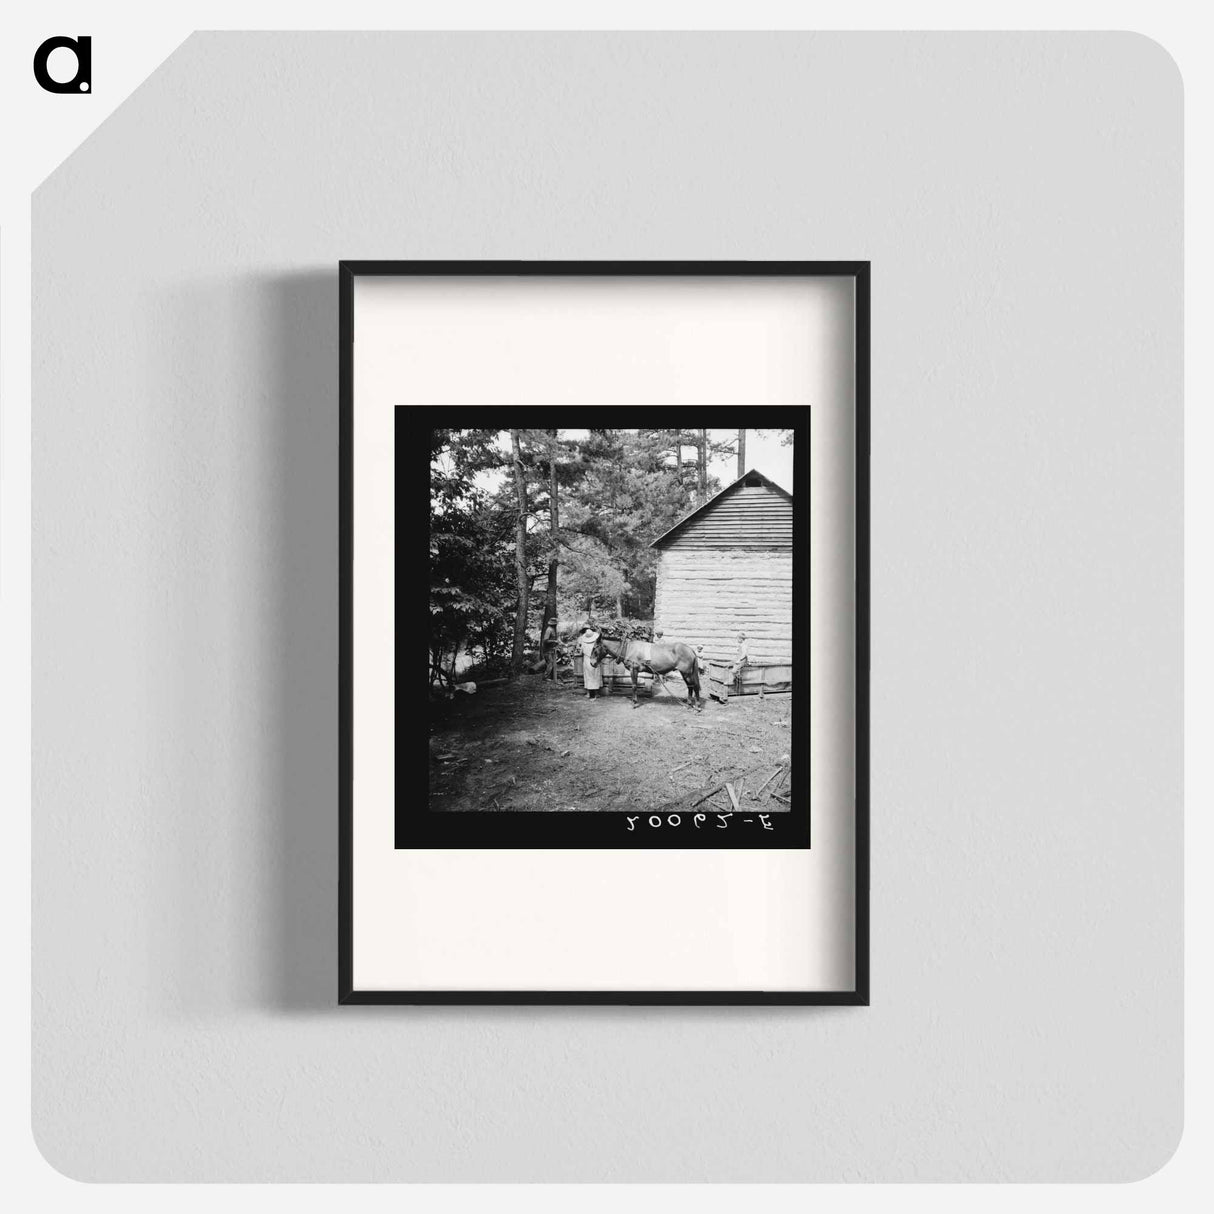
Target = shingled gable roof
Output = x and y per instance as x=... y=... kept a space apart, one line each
x=667 y=536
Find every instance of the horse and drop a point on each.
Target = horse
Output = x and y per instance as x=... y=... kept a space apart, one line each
x=658 y=658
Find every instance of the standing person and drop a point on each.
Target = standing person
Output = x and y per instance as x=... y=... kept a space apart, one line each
x=741 y=660
x=592 y=676
x=548 y=648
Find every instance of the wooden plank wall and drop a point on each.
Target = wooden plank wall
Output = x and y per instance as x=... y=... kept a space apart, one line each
x=705 y=596
x=745 y=517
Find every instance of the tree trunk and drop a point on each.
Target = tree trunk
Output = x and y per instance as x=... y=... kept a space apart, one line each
x=520 y=556
x=741 y=453
x=703 y=459
x=554 y=531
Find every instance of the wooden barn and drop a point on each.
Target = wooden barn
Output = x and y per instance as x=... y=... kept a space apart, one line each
x=726 y=568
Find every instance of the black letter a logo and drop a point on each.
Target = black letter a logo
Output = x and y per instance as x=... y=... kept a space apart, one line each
x=82 y=48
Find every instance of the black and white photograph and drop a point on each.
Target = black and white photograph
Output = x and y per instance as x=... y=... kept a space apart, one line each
x=611 y=621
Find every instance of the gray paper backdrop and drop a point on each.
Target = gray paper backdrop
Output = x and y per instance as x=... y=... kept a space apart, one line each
x=1020 y=199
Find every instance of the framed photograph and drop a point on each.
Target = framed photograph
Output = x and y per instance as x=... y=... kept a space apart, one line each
x=618 y=512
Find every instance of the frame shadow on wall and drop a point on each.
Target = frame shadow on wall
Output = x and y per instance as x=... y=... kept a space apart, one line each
x=300 y=937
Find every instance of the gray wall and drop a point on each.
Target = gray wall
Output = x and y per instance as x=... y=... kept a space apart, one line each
x=1020 y=199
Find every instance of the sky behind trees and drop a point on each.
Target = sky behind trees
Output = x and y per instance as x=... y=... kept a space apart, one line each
x=763 y=453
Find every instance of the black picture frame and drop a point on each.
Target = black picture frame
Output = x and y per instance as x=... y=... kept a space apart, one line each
x=592 y=835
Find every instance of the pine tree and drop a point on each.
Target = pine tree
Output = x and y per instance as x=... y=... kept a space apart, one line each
x=520 y=554
x=554 y=532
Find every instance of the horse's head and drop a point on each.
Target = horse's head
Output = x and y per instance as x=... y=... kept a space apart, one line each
x=598 y=652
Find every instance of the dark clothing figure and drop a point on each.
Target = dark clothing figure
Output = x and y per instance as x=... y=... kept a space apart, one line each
x=548 y=647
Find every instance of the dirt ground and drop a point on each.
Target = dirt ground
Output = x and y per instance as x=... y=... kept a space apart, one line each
x=528 y=745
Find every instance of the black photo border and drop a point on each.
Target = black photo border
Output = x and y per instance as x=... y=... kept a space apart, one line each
x=418 y=826
x=504 y=835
